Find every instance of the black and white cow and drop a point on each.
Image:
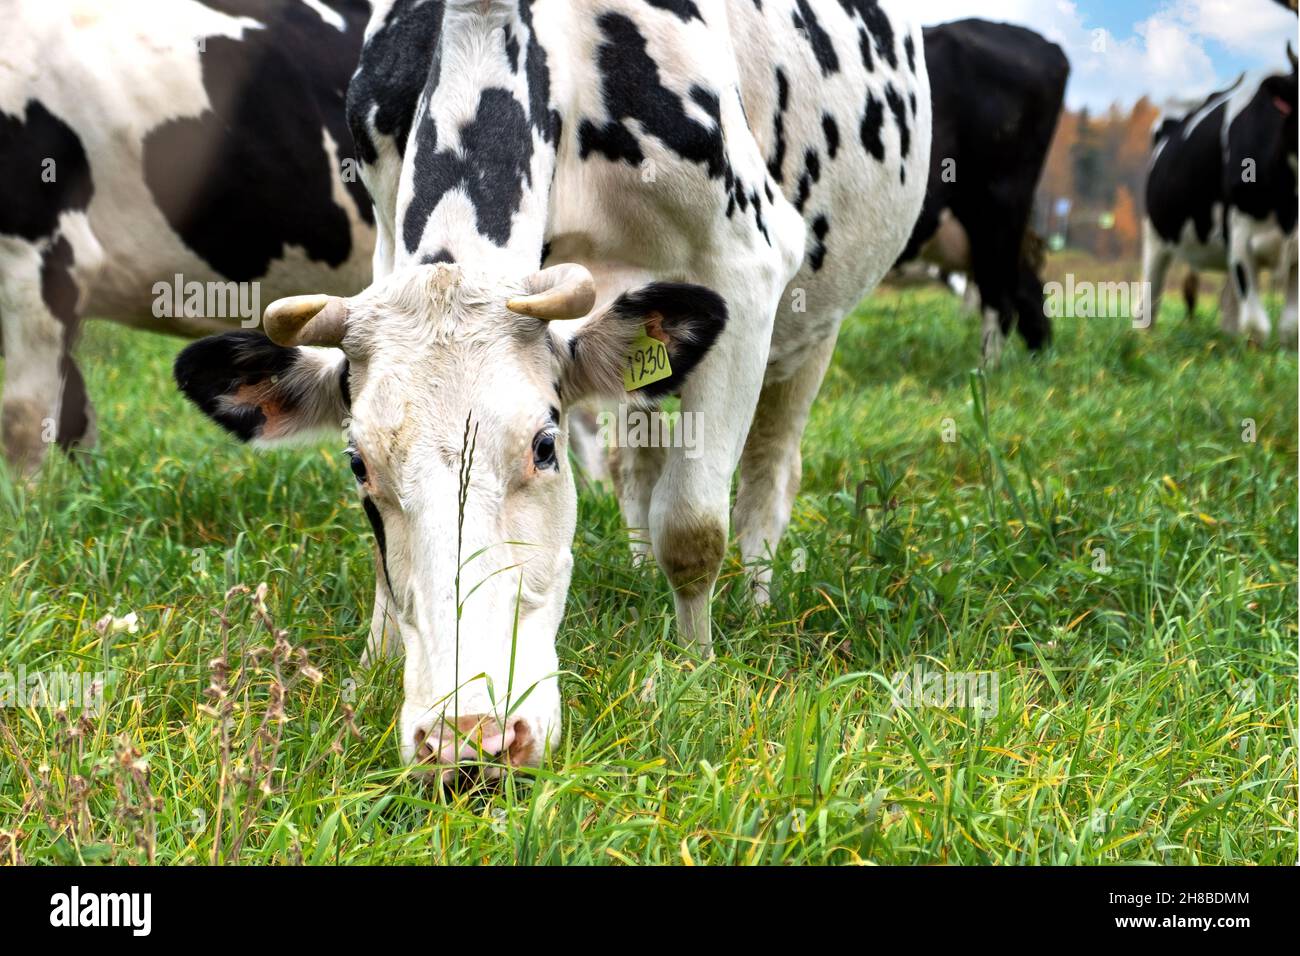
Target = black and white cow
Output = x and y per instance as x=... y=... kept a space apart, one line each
x=724 y=177
x=997 y=91
x=155 y=140
x=1221 y=194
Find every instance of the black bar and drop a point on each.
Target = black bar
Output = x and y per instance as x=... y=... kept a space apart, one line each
x=932 y=904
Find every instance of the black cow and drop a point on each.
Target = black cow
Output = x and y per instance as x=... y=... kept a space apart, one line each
x=1221 y=194
x=997 y=92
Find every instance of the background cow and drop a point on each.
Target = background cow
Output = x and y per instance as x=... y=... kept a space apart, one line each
x=997 y=93
x=224 y=164
x=722 y=177
x=1221 y=194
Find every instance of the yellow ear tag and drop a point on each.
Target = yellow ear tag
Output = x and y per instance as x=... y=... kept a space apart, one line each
x=645 y=363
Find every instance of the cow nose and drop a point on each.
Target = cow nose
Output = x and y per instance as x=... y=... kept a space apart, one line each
x=478 y=739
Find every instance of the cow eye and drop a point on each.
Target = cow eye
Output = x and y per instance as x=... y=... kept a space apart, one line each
x=544 y=450
x=357 y=464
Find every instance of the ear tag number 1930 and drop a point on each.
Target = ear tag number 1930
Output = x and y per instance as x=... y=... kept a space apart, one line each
x=645 y=363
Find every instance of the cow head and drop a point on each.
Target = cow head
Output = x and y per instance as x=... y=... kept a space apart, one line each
x=452 y=387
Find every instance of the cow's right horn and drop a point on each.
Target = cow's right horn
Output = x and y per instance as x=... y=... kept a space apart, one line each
x=306 y=320
x=564 y=291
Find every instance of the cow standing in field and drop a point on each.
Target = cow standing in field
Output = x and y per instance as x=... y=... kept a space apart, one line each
x=141 y=142
x=717 y=180
x=997 y=91
x=1221 y=194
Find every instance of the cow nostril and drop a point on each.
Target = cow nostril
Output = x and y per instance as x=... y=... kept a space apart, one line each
x=423 y=751
x=520 y=752
x=471 y=738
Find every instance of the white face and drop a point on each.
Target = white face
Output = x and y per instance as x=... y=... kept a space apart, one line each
x=459 y=454
x=457 y=384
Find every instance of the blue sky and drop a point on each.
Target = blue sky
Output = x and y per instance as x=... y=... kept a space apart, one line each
x=1121 y=49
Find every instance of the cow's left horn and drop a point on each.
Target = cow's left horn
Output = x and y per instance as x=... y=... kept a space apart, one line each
x=306 y=320
x=566 y=291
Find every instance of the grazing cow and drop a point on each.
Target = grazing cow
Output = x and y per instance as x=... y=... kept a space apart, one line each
x=716 y=182
x=1221 y=194
x=997 y=92
x=165 y=164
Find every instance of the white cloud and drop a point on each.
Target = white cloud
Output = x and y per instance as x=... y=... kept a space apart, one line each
x=1256 y=29
x=1163 y=55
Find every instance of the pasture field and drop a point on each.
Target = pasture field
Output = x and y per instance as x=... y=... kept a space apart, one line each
x=1102 y=529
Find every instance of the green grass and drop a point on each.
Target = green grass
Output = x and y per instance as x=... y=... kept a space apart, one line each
x=1098 y=534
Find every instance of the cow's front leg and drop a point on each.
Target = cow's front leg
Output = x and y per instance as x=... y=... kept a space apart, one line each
x=635 y=470
x=1156 y=257
x=1191 y=290
x=1243 y=272
x=1032 y=321
x=690 y=504
x=44 y=400
x=771 y=466
x=1229 y=307
x=627 y=431
x=996 y=314
x=385 y=638
x=970 y=299
x=992 y=339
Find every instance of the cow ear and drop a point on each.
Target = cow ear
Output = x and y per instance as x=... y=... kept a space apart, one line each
x=687 y=319
x=262 y=392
